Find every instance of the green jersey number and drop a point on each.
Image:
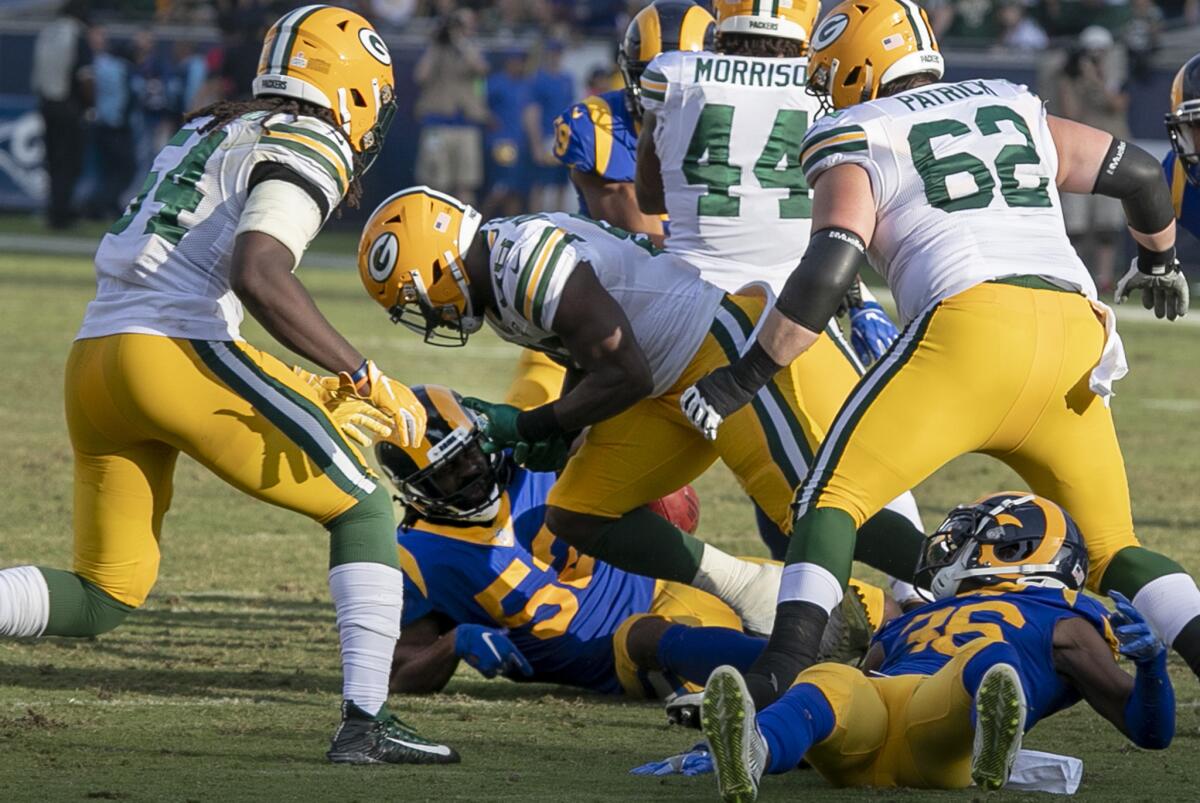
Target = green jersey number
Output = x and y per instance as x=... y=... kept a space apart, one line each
x=778 y=166
x=177 y=192
x=936 y=173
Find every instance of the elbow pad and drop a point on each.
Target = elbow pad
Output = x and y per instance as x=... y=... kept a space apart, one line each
x=1136 y=178
x=1150 y=710
x=818 y=285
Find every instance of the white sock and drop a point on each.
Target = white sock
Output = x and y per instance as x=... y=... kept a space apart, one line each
x=1168 y=603
x=808 y=582
x=368 y=599
x=904 y=592
x=906 y=505
x=728 y=578
x=24 y=602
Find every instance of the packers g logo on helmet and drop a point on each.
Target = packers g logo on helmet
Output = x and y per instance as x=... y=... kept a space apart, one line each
x=829 y=30
x=332 y=58
x=381 y=261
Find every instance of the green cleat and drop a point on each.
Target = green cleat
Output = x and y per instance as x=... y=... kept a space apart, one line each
x=999 y=726
x=364 y=739
x=848 y=633
x=738 y=750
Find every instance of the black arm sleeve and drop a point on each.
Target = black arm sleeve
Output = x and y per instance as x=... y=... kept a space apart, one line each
x=1136 y=178
x=818 y=285
x=274 y=171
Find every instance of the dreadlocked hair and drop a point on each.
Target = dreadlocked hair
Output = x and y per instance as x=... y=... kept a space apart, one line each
x=766 y=47
x=906 y=82
x=224 y=111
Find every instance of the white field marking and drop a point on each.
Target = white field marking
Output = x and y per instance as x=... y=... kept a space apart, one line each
x=1173 y=405
x=145 y=702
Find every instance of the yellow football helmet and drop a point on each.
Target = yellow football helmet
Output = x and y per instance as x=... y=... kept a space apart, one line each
x=662 y=26
x=861 y=45
x=410 y=260
x=786 y=19
x=332 y=58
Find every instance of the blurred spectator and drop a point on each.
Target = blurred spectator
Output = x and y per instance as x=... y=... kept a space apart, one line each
x=1186 y=10
x=152 y=83
x=191 y=87
x=603 y=79
x=553 y=92
x=1141 y=37
x=513 y=126
x=1017 y=30
x=111 y=131
x=451 y=109
x=243 y=25
x=1070 y=17
x=385 y=14
x=970 y=23
x=1090 y=91
x=61 y=79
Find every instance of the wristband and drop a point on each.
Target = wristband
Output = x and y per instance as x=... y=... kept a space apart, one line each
x=1156 y=263
x=754 y=369
x=538 y=424
x=361 y=375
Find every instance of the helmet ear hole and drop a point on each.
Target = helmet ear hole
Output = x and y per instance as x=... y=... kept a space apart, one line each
x=358 y=98
x=852 y=77
x=437 y=271
x=342 y=25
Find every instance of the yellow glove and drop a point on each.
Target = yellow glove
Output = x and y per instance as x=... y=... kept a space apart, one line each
x=404 y=411
x=357 y=419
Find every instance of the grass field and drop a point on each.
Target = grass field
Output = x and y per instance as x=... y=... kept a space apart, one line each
x=226 y=685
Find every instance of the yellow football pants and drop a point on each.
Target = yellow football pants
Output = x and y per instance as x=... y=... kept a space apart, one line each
x=651 y=449
x=908 y=730
x=998 y=369
x=539 y=381
x=134 y=402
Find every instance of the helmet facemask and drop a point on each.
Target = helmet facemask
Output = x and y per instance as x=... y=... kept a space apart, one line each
x=460 y=484
x=1182 y=128
x=372 y=140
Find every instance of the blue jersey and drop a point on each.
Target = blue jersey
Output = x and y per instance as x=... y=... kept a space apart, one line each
x=923 y=641
x=1184 y=194
x=561 y=607
x=598 y=136
x=552 y=92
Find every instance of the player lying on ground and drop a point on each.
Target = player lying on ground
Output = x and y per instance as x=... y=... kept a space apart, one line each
x=159 y=366
x=718 y=151
x=953 y=686
x=597 y=140
x=485 y=581
x=1182 y=164
x=638 y=326
x=1006 y=352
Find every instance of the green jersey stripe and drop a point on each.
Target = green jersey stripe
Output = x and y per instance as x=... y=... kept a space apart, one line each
x=293 y=32
x=830 y=150
x=311 y=154
x=655 y=76
x=336 y=147
x=181 y=136
x=544 y=282
x=659 y=96
x=815 y=138
x=527 y=270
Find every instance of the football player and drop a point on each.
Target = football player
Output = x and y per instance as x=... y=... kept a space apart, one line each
x=638 y=325
x=1182 y=164
x=955 y=189
x=486 y=582
x=159 y=366
x=719 y=154
x=954 y=685
x=597 y=140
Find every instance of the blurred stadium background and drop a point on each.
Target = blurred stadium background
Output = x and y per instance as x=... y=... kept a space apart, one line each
x=479 y=84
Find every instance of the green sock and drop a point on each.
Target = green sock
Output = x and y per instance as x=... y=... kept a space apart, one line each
x=1133 y=567
x=366 y=533
x=79 y=607
x=641 y=542
x=824 y=537
x=890 y=543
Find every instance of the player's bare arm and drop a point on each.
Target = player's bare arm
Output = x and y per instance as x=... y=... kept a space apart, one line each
x=424 y=659
x=615 y=202
x=263 y=280
x=648 y=180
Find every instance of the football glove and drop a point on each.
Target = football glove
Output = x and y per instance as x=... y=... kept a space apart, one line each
x=498 y=423
x=1164 y=287
x=394 y=400
x=357 y=419
x=490 y=650
x=696 y=761
x=547 y=455
x=871 y=331
x=1137 y=641
x=714 y=398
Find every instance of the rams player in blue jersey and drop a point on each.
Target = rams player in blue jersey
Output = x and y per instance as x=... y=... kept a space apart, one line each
x=487 y=583
x=1182 y=165
x=955 y=684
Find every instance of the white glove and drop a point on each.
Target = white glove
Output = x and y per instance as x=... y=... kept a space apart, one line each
x=1164 y=287
x=702 y=415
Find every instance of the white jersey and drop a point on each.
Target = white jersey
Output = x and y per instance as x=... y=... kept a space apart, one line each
x=163 y=267
x=963 y=179
x=668 y=304
x=728 y=135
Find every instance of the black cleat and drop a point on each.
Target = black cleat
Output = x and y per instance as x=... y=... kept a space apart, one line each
x=363 y=739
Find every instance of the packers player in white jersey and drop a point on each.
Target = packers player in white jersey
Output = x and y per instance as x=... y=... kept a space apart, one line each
x=159 y=366
x=953 y=192
x=638 y=326
x=720 y=154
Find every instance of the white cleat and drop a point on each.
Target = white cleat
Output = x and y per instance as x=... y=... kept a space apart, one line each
x=758 y=600
x=999 y=726
x=738 y=749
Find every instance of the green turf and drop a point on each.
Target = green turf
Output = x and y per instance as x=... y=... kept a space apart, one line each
x=225 y=686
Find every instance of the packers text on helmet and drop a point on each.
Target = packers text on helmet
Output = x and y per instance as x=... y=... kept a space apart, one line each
x=785 y=19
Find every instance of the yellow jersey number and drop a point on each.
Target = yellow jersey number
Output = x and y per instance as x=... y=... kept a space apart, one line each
x=937 y=630
x=562 y=136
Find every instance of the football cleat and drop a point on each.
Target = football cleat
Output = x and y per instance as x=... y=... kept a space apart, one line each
x=738 y=749
x=999 y=726
x=684 y=710
x=364 y=739
x=848 y=633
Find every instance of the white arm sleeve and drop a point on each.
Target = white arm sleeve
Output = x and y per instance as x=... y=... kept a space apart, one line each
x=283 y=211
